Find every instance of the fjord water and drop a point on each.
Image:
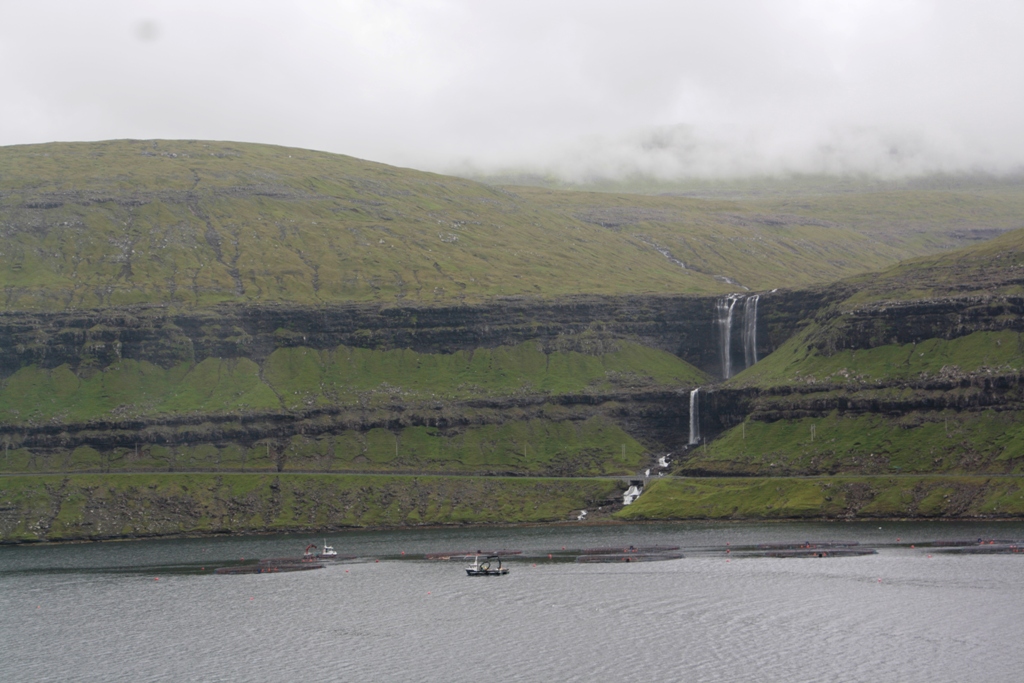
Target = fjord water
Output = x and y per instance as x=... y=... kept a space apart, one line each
x=152 y=611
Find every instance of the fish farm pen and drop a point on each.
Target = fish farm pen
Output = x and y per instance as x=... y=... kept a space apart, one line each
x=629 y=557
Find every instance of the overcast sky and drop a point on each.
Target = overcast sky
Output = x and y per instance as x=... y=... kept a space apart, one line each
x=581 y=89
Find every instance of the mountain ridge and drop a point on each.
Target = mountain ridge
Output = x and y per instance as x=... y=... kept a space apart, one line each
x=224 y=308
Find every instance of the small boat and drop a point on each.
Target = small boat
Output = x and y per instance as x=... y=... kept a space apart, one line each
x=484 y=568
x=327 y=552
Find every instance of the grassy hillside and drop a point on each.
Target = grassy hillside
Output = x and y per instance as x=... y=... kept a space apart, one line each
x=899 y=375
x=546 y=446
x=993 y=267
x=916 y=441
x=800 y=361
x=763 y=242
x=344 y=409
x=301 y=379
x=847 y=395
x=190 y=223
x=844 y=497
x=34 y=508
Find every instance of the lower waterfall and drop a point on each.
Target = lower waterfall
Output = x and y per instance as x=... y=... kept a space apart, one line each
x=694 y=418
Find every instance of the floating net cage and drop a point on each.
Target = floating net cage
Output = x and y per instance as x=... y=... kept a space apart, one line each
x=628 y=557
x=807 y=545
x=1001 y=549
x=268 y=568
x=970 y=542
x=461 y=554
x=612 y=550
x=820 y=552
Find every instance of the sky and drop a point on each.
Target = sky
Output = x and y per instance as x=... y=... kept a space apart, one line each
x=575 y=89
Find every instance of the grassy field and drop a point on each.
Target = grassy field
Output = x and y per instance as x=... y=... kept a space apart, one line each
x=588 y=447
x=798 y=361
x=984 y=441
x=132 y=505
x=986 y=269
x=842 y=497
x=191 y=223
x=295 y=379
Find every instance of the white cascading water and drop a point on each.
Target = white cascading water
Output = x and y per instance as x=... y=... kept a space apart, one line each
x=723 y=317
x=750 y=330
x=694 y=421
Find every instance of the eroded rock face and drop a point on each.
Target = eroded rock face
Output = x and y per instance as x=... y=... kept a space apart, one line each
x=88 y=341
x=907 y=322
x=680 y=325
x=658 y=417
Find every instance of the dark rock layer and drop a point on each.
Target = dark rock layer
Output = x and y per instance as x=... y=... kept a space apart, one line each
x=677 y=324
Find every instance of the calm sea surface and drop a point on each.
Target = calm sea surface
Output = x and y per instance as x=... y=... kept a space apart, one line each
x=152 y=611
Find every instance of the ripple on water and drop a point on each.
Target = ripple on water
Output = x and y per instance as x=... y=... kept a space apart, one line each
x=944 y=618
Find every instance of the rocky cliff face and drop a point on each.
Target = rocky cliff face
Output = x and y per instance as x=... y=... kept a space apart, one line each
x=680 y=325
x=928 y=385
x=89 y=341
x=906 y=322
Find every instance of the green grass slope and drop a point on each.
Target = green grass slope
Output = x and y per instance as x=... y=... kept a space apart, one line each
x=546 y=446
x=915 y=441
x=995 y=267
x=80 y=507
x=795 y=238
x=364 y=411
x=837 y=398
x=299 y=379
x=191 y=223
x=844 y=497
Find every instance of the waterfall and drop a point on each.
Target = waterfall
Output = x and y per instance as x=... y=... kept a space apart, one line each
x=694 y=418
x=724 y=308
x=723 y=318
x=750 y=330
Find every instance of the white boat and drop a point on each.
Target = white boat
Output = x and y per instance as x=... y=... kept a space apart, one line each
x=484 y=568
x=327 y=552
